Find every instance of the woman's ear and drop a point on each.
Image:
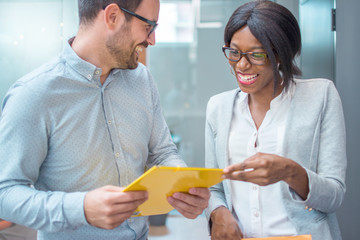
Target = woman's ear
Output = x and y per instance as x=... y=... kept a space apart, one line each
x=113 y=16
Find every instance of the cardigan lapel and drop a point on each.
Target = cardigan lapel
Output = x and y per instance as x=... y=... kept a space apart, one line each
x=224 y=127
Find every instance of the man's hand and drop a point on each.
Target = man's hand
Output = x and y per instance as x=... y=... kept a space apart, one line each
x=107 y=207
x=224 y=225
x=191 y=204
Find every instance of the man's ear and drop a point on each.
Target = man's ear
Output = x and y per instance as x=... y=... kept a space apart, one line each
x=113 y=16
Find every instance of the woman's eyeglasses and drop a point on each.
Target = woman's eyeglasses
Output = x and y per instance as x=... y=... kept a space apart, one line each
x=255 y=58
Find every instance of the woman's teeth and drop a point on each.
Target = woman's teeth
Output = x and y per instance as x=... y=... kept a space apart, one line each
x=247 y=78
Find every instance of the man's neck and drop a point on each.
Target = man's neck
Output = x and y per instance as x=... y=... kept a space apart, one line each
x=89 y=46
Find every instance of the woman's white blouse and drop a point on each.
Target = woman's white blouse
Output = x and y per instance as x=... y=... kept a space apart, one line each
x=260 y=210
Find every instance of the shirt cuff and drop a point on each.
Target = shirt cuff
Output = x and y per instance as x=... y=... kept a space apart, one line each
x=74 y=209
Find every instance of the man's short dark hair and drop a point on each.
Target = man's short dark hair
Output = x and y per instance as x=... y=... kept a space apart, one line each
x=89 y=9
x=276 y=28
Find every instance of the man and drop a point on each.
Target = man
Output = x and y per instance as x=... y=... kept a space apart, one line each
x=88 y=120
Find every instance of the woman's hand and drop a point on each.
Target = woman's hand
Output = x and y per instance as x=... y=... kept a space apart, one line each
x=264 y=169
x=224 y=225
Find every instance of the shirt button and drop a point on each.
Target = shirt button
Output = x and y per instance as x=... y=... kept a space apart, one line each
x=256 y=214
x=89 y=76
x=97 y=72
x=109 y=122
x=117 y=154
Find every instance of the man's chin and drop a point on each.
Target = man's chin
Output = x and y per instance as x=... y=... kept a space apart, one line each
x=134 y=61
x=128 y=66
x=133 y=65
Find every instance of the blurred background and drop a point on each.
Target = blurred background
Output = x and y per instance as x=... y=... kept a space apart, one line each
x=189 y=67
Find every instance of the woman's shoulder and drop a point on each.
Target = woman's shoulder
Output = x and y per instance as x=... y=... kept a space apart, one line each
x=313 y=82
x=314 y=86
x=223 y=97
x=316 y=91
x=221 y=104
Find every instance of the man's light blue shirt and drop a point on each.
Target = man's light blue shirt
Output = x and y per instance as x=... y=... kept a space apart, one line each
x=64 y=133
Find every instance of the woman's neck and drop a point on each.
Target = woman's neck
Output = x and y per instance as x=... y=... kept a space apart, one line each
x=259 y=104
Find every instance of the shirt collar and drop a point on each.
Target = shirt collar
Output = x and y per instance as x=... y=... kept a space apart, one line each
x=285 y=94
x=84 y=68
x=242 y=101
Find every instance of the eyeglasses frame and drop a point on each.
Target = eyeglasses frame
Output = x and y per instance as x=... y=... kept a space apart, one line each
x=245 y=54
x=152 y=23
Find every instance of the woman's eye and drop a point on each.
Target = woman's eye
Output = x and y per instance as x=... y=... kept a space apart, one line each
x=258 y=55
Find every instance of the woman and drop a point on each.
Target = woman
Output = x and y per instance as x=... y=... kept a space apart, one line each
x=281 y=139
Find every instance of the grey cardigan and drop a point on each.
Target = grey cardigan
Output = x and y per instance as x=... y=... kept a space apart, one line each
x=314 y=138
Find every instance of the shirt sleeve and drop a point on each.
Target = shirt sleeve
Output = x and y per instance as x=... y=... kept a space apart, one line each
x=162 y=150
x=23 y=148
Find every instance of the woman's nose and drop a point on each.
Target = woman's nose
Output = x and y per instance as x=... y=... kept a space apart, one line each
x=243 y=63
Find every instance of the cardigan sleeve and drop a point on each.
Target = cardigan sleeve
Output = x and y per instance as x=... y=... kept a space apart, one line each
x=217 y=198
x=327 y=173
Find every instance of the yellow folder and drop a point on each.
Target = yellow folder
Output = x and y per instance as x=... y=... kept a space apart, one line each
x=162 y=182
x=300 y=237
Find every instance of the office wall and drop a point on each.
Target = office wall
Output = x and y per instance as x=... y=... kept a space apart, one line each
x=348 y=84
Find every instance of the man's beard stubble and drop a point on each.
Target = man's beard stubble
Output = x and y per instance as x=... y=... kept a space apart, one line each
x=116 y=45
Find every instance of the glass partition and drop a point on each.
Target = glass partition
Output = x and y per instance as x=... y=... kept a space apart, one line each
x=31 y=33
x=189 y=73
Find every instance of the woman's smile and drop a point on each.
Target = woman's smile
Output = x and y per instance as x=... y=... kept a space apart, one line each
x=246 y=79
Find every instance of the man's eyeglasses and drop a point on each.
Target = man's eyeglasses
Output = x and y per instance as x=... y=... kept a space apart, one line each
x=152 y=23
x=255 y=58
